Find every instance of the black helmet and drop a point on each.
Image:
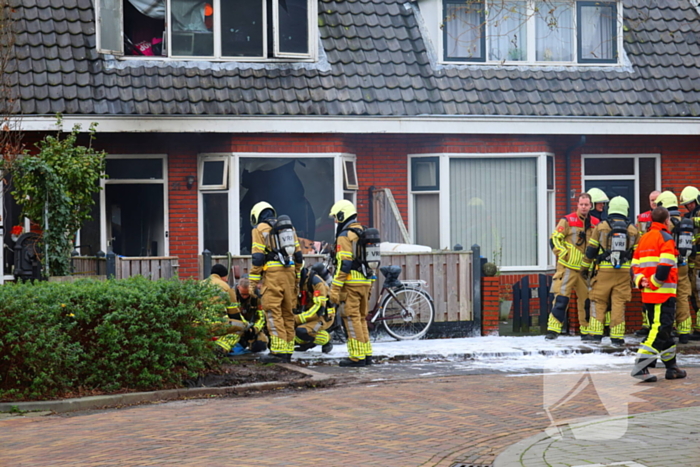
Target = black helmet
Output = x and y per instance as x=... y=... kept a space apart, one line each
x=321 y=270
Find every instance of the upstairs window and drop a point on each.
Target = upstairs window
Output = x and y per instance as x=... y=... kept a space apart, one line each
x=530 y=31
x=207 y=29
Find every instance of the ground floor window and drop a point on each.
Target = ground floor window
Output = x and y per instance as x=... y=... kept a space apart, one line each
x=302 y=186
x=130 y=214
x=632 y=176
x=501 y=202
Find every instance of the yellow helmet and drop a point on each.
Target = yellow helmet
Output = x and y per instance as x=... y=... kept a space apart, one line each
x=690 y=194
x=667 y=199
x=598 y=196
x=619 y=205
x=342 y=210
x=257 y=210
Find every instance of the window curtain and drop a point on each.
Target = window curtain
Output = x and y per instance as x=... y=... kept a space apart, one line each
x=508 y=31
x=151 y=8
x=493 y=203
x=554 y=32
x=597 y=24
x=462 y=25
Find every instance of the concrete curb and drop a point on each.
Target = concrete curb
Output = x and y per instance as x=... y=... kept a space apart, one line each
x=133 y=398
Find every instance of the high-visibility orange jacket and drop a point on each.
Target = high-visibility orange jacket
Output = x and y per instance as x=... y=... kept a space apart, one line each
x=655 y=259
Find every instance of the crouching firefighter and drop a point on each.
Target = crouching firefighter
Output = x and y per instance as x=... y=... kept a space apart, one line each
x=246 y=312
x=357 y=255
x=316 y=317
x=656 y=273
x=610 y=250
x=569 y=242
x=277 y=262
x=682 y=232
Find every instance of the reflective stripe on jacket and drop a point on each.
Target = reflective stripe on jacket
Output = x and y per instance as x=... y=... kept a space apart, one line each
x=655 y=260
x=566 y=240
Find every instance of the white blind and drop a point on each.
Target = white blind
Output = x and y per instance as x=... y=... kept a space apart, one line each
x=427 y=219
x=493 y=203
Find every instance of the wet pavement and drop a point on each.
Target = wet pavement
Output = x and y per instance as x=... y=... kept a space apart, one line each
x=447 y=409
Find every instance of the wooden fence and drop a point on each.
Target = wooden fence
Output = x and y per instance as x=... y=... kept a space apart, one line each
x=448 y=277
x=153 y=267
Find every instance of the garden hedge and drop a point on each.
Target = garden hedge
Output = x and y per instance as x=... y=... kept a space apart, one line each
x=86 y=337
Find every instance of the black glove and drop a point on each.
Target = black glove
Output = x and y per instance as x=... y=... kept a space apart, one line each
x=257 y=293
x=585 y=273
x=322 y=311
x=332 y=305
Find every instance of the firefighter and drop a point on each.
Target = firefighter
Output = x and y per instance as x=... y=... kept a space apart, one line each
x=599 y=200
x=683 y=320
x=247 y=313
x=690 y=198
x=350 y=280
x=655 y=272
x=316 y=317
x=569 y=241
x=610 y=251
x=219 y=277
x=276 y=263
x=644 y=219
x=643 y=223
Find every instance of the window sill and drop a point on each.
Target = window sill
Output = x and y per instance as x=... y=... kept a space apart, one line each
x=519 y=64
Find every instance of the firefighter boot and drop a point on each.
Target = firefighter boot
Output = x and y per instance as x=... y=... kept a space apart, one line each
x=327 y=347
x=276 y=358
x=641 y=370
x=368 y=360
x=644 y=332
x=349 y=362
x=304 y=347
x=673 y=372
x=551 y=335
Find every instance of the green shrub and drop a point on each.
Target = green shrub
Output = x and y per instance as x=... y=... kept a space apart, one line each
x=59 y=339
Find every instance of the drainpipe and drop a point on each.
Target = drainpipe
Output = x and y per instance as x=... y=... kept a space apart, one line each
x=370 y=196
x=567 y=158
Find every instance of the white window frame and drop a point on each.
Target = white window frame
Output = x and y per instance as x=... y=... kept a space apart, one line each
x=98 y=29
x=635 y=176
x=350 y=186
x=412 y=193
x=543 y=261
x=234 y=195
x=200 y=173
x=142 y=181
x=531 y=40
x=311 y=56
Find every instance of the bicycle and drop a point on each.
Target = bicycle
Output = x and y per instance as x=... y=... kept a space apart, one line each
x=404 y=308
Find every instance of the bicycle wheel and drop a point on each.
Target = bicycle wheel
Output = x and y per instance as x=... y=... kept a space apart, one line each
x=407 y=314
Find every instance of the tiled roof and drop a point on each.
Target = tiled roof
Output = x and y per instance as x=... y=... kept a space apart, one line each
x=374 y=62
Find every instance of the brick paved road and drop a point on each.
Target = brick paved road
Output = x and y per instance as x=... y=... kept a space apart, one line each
x=420 y=422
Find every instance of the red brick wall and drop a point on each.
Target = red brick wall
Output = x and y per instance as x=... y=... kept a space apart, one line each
x=491 y=306
x=381 y=162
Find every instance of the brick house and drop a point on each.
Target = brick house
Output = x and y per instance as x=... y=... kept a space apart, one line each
x=471 y=113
